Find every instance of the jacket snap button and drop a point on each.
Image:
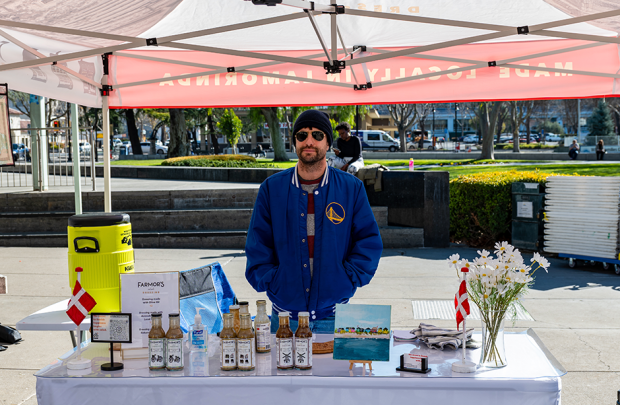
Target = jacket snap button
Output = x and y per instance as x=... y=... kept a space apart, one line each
x=307 y=290
x=313 y=316
x=316 y=192
x=305 y=265
x=303 y=240
x=302 y=214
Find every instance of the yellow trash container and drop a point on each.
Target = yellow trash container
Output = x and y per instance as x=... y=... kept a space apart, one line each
x=101 y=244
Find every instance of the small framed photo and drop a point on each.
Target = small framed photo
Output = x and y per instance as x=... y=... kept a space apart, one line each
x=111 y=327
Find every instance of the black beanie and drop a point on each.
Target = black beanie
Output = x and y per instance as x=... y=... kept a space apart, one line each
x=315 y=119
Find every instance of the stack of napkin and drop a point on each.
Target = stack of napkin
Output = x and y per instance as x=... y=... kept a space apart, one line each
x=439 y=338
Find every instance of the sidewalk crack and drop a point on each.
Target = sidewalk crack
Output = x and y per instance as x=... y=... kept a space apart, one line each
x=599 y=354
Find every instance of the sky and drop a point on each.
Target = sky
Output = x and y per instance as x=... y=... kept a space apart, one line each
x=366 y=316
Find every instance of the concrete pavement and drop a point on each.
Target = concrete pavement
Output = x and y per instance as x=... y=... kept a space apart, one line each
x=576 y=311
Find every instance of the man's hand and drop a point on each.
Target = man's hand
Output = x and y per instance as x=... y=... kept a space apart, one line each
x=345 y=167
x=336 y=151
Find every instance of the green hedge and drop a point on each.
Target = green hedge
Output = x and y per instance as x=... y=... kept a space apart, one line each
x=509 y=146
x=242 y=161
x=481 y=205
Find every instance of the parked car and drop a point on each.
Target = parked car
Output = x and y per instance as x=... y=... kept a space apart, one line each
x=146 y=148
x=553 y=137
x=20 y=151
x=377 y=140
x=470 y=139
x=427 y=144
x=84 y=147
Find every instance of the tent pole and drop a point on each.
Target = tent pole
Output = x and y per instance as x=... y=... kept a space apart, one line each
x=334 y=32
x=107 y=184
x=75 y=144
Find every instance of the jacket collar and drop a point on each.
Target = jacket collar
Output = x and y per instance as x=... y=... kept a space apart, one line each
x=295 y=179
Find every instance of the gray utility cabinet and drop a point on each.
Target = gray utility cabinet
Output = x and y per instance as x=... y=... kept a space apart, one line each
x=527 y=214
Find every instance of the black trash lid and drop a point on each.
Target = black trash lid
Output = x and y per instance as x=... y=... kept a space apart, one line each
x=101 y=219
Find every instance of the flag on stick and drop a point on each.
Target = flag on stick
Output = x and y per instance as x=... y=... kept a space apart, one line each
x=461 y=302
x=81 y=302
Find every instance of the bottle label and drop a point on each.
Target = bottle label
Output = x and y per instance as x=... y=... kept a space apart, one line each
x=263 y=336
x=156 y=353
x=198 y=339
x=284 y=347
x=174 y=353
x=303 y=352
x=229 y=353
x=246 y=356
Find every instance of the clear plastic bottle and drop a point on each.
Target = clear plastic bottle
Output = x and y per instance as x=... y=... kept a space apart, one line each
x=198 y=337
x=234 y=310
x=284 y=343
x=263 y=328
x=228 y=344
x=246 y=352
x=303 y=342
x=174 y=343
x=157 y=344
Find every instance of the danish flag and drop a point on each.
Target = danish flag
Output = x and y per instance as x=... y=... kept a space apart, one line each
x=81 y=302
x=461 y=302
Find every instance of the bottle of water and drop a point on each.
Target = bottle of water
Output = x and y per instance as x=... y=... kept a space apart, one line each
x=411 y=164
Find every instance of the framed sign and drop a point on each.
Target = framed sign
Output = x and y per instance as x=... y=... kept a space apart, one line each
x=111 y=327
x=143 y=294
x=6 y=147
x=362 y=332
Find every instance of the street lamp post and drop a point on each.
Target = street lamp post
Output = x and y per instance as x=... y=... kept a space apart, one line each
x=456 y=122
x=433 y=127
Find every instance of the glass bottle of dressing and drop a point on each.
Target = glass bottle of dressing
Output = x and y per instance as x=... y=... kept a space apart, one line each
x=263 y=328
x=244 y=308
x=157 y=344
x=228 y=344
x=303 y=342
x=174 y=344
x=284 y=343
x=246 y=353
x=234 y=310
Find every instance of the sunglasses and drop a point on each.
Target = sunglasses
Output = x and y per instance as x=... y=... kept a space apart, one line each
x=303 y=135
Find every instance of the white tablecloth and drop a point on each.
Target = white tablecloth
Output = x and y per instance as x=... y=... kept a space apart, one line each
x=53 y=317
x=531 y=377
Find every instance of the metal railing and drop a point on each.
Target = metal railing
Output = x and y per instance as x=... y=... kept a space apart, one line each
x=59 y=161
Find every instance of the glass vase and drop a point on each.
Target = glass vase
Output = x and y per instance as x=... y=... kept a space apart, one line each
x=493 y=353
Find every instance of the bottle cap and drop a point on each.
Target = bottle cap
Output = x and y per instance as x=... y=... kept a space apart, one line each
x=241 y=303
x=228 y=315
x=155 y=315
x=198 y=318
x=284 y=314
x=244 y=316
x=233 y=307
x=173 y=315
x=303 y=314
x=261 y=302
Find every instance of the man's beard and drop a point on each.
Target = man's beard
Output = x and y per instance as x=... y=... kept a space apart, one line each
x=310 y=161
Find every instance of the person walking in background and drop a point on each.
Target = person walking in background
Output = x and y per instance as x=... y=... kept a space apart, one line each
x=600 y=150
x=573 y=150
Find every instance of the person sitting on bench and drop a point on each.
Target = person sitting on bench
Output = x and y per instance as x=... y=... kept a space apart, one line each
x=348 y=150
x=573 y=150
x=600 y=150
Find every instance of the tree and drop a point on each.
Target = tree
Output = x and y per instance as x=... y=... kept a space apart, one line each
x=600 y=123
x=487 y=114
x=404 y=116
x=272 y=115
x=178 y=134
x=132 y=131
x=230 y=125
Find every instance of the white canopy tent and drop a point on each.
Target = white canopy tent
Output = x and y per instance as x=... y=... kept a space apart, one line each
x=196 y=53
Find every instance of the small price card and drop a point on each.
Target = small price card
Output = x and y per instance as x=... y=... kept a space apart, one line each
x=110 y=327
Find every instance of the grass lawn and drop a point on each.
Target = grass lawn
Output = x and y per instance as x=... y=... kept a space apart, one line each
x=154 y=162
x=582 y=169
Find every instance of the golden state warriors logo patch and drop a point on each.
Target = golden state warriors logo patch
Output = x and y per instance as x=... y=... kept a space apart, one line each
x=335 y=213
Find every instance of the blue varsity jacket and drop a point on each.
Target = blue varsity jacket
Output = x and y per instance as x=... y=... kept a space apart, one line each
x=347 y=243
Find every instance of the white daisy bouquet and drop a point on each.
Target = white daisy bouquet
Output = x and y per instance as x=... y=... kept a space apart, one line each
x=495 y=285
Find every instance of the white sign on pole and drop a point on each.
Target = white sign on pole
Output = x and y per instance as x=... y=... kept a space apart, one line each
x=525 y=209
x=143 y=294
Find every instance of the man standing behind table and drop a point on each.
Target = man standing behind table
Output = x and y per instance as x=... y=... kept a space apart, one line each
x=313 y=239
x=348 y=150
